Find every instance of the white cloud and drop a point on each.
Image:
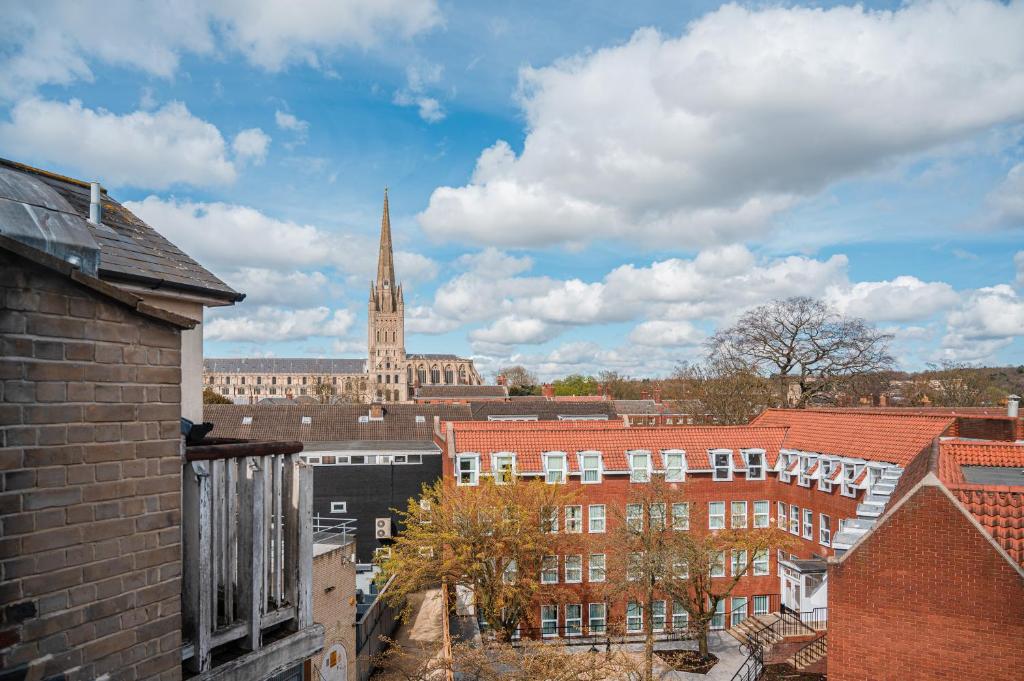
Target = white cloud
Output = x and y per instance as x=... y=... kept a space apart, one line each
x=270 y=324
x=418 y=78
x=287 y=121
x=988 y=320
x=1006 y=202
x=1018 y=261
x=154 y=149
x=250 y=146
x=278 y=287
x=513 y=330
x=55 y=41
x=902 y=299
x=703 y=138
x=661 y=333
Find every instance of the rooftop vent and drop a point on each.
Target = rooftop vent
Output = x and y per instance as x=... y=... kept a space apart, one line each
x=246 y=420
x=1012 y=406
x=306 y=420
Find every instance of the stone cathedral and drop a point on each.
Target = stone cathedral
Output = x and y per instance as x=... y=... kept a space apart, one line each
x=388 y=374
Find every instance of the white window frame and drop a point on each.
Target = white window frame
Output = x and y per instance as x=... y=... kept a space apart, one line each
x=824 y=529
x=496 y=462
x=597 y=470
x=680 y=617
x=574 y=525
x=474 y=472
x=717 y=468
x=712 y=525
x=760 y=605
x=794 y=519
x=578 y=620
x=733 y=505
x=577 y=569
x=762 y=566
x=597 y=618
x=547 y=570
x=550 y=470
x=550 y=520
x=848 y=490
x=718 y=619
x=544 y=621
x=637 y=472
x=808 y=524
x=655 y=617
x=763 y=518
x=739 y=559
x=736 y=615
x=634 y=520
x=783 y=467
x=657 y=516
x=675 y=465
x=681 y=516
x=597 y=570
x=603 y=518
x=759 y=468
x=781 y=513
x=339 y=507
x=634 y=617
x=633 y=565
x=718 y=565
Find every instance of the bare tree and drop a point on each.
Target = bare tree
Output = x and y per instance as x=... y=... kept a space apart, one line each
x=518 y=376
x=723 y=395
x=323 y=390
x=804 y=342
x=955 y=384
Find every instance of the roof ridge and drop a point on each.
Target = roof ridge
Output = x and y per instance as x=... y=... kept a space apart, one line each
x=47 y=173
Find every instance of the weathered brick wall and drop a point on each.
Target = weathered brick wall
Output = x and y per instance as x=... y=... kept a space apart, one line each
x=90 y=504
x=987 y=429
x=926 y=597
x=334 y=606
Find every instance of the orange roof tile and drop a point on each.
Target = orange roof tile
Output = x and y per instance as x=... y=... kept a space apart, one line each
x=529 y=440
x=1000 y=510
x=893 y=438
x=984 y=452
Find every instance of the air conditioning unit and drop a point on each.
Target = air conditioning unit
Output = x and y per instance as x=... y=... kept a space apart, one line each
x=382 y=528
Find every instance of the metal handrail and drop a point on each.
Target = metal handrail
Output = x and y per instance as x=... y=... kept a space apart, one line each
x=818 y=645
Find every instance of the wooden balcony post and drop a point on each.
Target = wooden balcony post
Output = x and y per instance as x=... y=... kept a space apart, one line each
x=252 y=549
x=304 y=606
x=198 y=614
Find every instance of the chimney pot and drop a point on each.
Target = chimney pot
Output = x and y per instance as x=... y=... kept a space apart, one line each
x=95 y=204
x=1013 y=406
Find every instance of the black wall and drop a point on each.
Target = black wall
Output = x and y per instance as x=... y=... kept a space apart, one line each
x=371 y=492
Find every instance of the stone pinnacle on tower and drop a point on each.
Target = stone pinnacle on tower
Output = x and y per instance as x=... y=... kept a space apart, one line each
x=385 y=259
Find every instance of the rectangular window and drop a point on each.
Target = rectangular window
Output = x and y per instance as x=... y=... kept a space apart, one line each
x=657 y=512
x=681 y=569
x=783 y=468
x=805 y=466
x=755 y=464
x=554 y=469
x=808 y=524
x=675 y=466
x=574 y=620
x=549 y=519
x=549 y=620
x=634 y=567
x=762 y=513
x=597 y=567
x=339 y=507
x=634 y=617
x=781 y=509
x=681 y=516
x=574 y=519
x=824 y=530
x=590 y=463
x=721 y=462
x=739 y=515
x=761 y=566
x=827 y=467
x=639 y=466
x=680 y=618
x=635 y=517
x=794 y=519
x=597 y=518
x=718 y=565
x=504 y=468
x=510 y=573
x=760 y=605
x=718 y=619
x=469 y=469
x=739 y=562
x=658 y=615
x=597 y=618
x=573 y=569
x=716 y=515
x=738 y=613
x=849 y=477
x=549 y=570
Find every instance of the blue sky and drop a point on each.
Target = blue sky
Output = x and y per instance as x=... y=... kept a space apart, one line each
x=574 y=186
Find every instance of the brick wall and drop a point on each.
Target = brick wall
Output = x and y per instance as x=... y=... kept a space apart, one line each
x=334 y=606
x=926 y=597
x=996 y=428
x=90 y=504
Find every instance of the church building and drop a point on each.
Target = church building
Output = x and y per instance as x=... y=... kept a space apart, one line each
x=388 y=374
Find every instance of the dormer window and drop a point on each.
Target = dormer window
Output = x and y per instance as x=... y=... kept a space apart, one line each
x=639 y=466
x=721 y=464
x=675 y=465
x=554 y=468
x=246 y=420
x=504 y=467
x=754 y=459
x=850 y=473
x=468 y=469
x=590 y=467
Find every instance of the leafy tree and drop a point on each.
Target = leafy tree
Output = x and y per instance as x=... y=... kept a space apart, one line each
x=489 y=537
x=211 y=396
x=804 y=342
x=575 y=385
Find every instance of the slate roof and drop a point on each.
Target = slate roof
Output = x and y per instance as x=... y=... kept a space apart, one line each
x=131 y=250
x=428 y=355
x=542 y=409
x=893 y=438
x=461 y=391
x=639 y=407
x=329 y=423
x=283 y=365
x=613 y=439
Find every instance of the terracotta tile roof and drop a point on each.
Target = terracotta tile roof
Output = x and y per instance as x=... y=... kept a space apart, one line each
x=861 y=478
x=893 y=438
x=1000 y=511
x=984 y=452
x=328 y=423
x=612 y=439
x=836 y=474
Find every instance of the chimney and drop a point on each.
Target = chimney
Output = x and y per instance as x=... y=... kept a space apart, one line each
x=657 y=394
x=500 y=380
x=376 y=410
x=548 y=391
x=645 y=394
x=95 y=204
x=1013 y=406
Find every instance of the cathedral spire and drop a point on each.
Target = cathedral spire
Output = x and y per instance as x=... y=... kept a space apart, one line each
x=385 y=259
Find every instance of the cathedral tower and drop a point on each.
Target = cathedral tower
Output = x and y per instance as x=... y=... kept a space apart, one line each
x=386 y=324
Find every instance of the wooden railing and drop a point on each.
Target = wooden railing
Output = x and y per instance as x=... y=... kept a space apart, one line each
x=248 y=550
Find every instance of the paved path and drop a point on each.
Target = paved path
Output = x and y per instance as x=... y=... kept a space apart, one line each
x=420 y=637
x=720 y=643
